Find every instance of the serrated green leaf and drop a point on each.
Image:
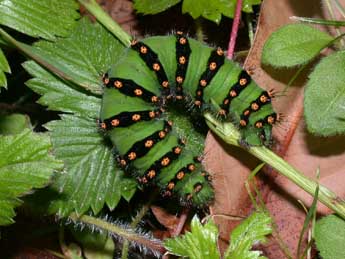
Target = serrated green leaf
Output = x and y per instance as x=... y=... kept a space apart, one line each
x=44 y=18
x=13 y=124
x=4 y=67
x=25 y=163
x=294 y=44
x=59 y=95
x=201 y=242
x=87 y=53
x=251 y=231
x=213 y=10
x=90 y=179
x=324 y=96
x=153 y=6
x=330 y=237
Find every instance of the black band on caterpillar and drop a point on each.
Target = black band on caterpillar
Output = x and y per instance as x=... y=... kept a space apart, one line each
x=164 y=161
x=125 y=119
x=152 y=61
x=215 y=61
x=182 y=58
x=130 y=88
x=255 y=106
x=169 y=188
x=243 y=80
x=142 y=147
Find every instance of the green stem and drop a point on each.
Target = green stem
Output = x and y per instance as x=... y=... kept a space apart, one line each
x=35 y=55
x=106 y=20
x=130 y=235
x=250 y=28
x=319 y=21
x=28 y=51
x=299 y=71
x=331 y=13
x=275 y=233
x=134 y=224
x=231 y=135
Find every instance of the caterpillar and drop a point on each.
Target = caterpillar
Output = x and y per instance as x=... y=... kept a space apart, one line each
x=163 y=75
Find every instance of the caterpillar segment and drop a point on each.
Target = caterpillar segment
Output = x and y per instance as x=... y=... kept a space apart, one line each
x=137 y=115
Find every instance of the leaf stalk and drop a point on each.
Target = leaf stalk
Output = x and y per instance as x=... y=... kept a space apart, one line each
x=229 y=134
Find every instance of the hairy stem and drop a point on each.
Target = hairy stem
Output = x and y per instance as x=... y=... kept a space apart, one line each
x=134 y=224
x=127 y=234
x=106 y=21
x=231 y=135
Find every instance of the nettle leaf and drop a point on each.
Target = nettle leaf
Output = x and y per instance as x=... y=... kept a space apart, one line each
x=153 y=6
x=201 y=242
x=59 y=95
x=330 y=237
x=45 y=18
x=294 y=44
x=251 y=231
x=91 y=177
x=25 y=163
x=324 y=98
x=84 y=56
x=4 y=67
x=211 y=10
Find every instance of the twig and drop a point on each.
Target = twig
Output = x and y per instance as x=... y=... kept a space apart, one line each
x=234 y=30
x=106 y=21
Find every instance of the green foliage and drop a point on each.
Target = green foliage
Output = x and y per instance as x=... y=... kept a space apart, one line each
x=90 y=178
x=201 y=242
x=294 y=44
x=325 y=96
x=251 y=231
x=309 y=220
x=152 y=6
x=94 y=244
x=13 y=124
x=59 y=95
x=299 y=44
x=4 y=67
x=330 y=237
x=83 y=56
x=211 y=10
x=45 y=19
x=25 y=163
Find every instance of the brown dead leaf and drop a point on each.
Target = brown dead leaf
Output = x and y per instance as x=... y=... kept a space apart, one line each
x=166 y=219
x=231 y=166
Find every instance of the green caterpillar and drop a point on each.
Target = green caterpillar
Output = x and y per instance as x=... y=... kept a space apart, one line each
x=165 y=73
